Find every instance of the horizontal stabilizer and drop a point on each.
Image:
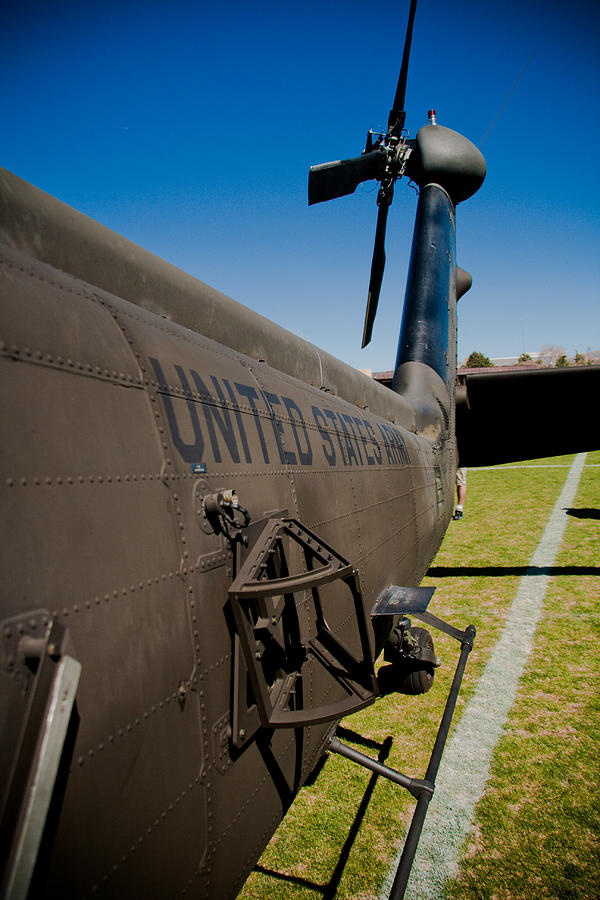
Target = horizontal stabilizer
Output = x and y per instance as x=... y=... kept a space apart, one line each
x=342 y=177
x=529 y=414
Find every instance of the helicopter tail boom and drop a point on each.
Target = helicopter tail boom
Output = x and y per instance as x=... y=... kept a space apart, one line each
x=448 y=169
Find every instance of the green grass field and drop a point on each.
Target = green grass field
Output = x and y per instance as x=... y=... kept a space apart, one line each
x=536 y=828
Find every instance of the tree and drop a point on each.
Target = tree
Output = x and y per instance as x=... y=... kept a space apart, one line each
x=525 y=357
x=562 y=361
x=478 y=360
x=579 y=358
x=550 y=354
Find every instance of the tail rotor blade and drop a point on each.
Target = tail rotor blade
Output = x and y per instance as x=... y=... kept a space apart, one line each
x=384 y=160
x=377 y=267
x=397 y=114
x=336 y=179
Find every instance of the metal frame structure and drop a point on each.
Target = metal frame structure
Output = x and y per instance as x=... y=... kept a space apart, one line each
x=264 y=612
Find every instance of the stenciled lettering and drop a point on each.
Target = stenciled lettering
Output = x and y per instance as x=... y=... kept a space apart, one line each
x=376 y=448
x=304 y=455
x=286 y=456
x=251 y=396
x=328 y=448
x=359 y=425
x=239 y=420
x=356 y=438
x=349 y=447
x=333 y=419
x=394 y=445
x=219 y=416
x=190 y=452
x=350 y=422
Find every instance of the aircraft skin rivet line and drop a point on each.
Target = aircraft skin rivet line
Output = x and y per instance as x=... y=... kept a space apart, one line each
x=467 y=758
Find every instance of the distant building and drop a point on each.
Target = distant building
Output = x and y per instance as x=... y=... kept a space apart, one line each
x=501 y=364
x=514 y=360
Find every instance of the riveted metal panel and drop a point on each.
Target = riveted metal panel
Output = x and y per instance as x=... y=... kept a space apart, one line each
x=52 y=319
x=111 y=536
x=141 y=788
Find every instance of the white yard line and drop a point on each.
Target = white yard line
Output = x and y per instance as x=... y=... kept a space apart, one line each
x=465 y=765
x=535 y=466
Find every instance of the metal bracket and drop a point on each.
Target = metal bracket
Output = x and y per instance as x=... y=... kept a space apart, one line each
x=402 y=601
x=37 y=754
x=276 y=653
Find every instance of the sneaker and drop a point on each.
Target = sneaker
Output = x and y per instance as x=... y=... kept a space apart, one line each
x=458 y=514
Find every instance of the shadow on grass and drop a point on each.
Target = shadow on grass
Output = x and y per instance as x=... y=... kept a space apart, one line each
x=584 y=513
x=329 y=890
x=500 y=571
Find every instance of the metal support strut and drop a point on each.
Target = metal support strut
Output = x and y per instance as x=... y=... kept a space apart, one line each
x=38 y=752
x=421 y=789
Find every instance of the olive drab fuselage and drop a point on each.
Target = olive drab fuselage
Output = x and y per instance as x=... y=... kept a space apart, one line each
x=117 y=424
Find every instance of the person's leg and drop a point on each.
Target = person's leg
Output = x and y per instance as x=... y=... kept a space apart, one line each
x=461 y=492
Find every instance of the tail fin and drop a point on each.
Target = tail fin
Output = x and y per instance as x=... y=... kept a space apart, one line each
x=448 y=169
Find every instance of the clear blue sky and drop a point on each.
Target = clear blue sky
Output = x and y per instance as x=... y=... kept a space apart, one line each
x=190 y=127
